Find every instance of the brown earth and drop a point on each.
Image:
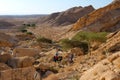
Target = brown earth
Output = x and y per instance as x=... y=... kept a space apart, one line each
x=103 y=19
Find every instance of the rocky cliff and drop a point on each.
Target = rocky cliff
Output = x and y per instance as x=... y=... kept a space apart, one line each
x=6 y=40
x=107 y=69
x=103 y=19
x=67 y=17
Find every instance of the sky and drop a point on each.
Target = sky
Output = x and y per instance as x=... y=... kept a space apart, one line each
x=24 y=7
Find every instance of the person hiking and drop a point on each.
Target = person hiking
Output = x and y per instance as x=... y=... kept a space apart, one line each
x=71 y=56
x=56 y=55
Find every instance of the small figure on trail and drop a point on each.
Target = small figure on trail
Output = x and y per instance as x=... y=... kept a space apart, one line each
x=57 y=57
x=71 y=56
x=57 y=52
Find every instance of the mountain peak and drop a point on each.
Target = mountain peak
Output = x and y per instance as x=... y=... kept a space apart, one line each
x=67 y=17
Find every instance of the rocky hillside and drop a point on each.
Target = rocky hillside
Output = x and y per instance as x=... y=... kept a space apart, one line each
x=5 y=25
x=67 y=17
x=6 y=40
x=108 y=69
x=30 y=60
x=103 y=19
x=112 y=44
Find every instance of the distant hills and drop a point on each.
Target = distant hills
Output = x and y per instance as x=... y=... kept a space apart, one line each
x=67 y=17
x=23 y=16
x=16 y=21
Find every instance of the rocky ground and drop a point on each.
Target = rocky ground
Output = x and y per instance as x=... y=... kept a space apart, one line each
x=28 y=60
x=24 y=57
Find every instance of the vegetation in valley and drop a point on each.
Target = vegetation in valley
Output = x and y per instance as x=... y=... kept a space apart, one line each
x=84 y=40
x=44 y=40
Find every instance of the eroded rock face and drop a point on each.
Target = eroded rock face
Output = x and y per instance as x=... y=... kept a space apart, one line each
x=112 y=44
x=21 y=62
x=67 y=17
x=4 y=67
x=21 y=52
x=6 y=40
x=103 y=19
x=4 y=58
x=28 y=73
x=24 y=37
x=107 y=69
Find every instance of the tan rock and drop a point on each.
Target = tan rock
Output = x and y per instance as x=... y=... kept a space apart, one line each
x=110 y=75
x=20 y=52
x=104 y=70
x=6 y=40
x=52 y=77
x=117 y=62
x=28 y=73
x=77 y=51
x=21 y=62
x=5 y=57
x=112 y=58
x=48 y=73
x=4 y=67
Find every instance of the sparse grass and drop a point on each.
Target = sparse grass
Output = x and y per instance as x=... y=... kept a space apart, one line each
x=83 y=40
x=29 y=33
x=23 y=30
x=67 y=44
x=90 y=36
x=43 y=40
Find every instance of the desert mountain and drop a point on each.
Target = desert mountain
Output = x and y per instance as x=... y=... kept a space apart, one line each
x=67 y=17
x=103 y=19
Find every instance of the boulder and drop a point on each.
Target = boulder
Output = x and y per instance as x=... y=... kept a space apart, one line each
x=21 y=62
x=47 y=73
x=20 y=52
x=77 y=51
x=107 y=69
x=52 y=77
x=4 y=58
x=28 y=73
x=4 y=67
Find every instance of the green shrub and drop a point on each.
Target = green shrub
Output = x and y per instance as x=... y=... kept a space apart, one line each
x=29 y=33
x=44 y=40
x=83 y=40
x=33 y=25
x=23 y=30
x=67 y=44
x=90 y=37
